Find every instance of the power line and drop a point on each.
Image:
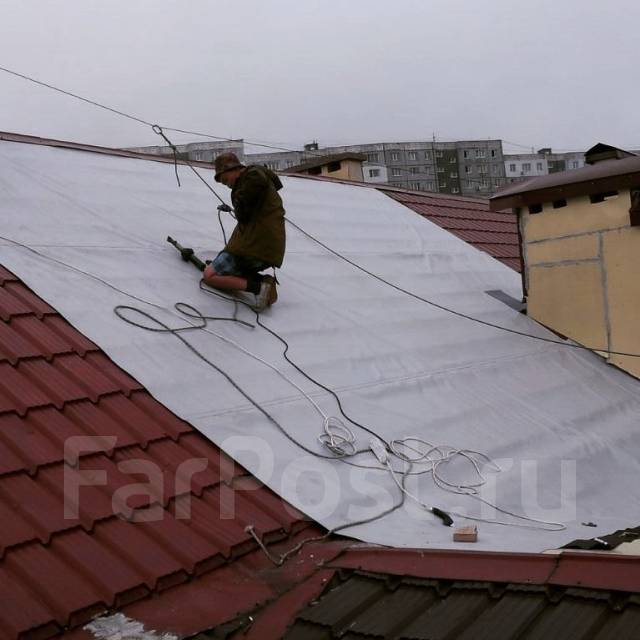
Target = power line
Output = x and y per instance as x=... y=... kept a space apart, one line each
x=157 y=128
x=492 y=179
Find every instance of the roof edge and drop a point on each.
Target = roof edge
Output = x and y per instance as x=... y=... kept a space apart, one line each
x=383 y=186
x=111 y=151
x=609 y=175
x=121 y=152
x=567 y=569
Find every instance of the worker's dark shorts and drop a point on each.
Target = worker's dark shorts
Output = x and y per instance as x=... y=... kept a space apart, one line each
x=228 y=264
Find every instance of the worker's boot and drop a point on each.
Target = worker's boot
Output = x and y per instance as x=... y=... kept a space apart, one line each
x=267 y=295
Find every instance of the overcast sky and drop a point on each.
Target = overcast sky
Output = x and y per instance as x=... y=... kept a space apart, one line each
x=559 y=73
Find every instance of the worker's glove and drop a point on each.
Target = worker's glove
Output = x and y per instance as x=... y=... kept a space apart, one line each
x=224 y=207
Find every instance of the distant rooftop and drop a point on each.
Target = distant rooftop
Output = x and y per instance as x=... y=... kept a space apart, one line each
x=610 y=169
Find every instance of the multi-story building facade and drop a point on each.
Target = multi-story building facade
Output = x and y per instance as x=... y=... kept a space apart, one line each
x=528 y=165
x=472 y=168
x=469 y=167
x=199 y=151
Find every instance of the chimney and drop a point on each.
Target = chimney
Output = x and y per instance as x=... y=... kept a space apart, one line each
x=580 y=245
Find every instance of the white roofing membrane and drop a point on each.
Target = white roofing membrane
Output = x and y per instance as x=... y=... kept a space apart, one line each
x=561 y=424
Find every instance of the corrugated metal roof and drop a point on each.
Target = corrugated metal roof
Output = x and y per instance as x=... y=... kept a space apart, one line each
x=58 y=571
x=494 y=233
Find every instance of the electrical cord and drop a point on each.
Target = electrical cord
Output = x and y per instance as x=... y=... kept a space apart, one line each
x=459 y=314
x=159 y=130
x=282 y=558
x=336 y=436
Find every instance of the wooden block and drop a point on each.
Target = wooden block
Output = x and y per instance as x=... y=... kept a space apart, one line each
x=466 y=534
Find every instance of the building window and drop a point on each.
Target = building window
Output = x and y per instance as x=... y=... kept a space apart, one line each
x=440 y=169
x=469 y=184
x=453 y=160
x=574 y=164
x=453 y=174
x=372 y=157
x=395 y=156
x=439 y=153
x=333 y=166
x=427 y=155
x=315 y=171
x=429 y=186
x=414 y=185
x=443 y=186
x=526 y=166
x=465 y=153
x=290 y=163
x=455 y=190
x=467 y=169
x=539 y=166
x=415 y=170
x=273 y=165
x=512 y=168
x=481 y=153
x=493 y=153
x=374 y=173
x=396 y=172
x=413 y=155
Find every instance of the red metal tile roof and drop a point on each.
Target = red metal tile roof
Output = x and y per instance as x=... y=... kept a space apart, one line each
x=57 y=568
x=495 y=233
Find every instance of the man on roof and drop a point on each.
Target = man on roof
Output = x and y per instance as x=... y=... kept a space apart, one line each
x=258 y=240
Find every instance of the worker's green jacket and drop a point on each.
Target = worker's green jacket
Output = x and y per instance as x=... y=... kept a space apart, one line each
x=258 y=208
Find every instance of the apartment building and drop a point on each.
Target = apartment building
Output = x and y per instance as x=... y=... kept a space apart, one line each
x=522 y=166
x=470 y=167
x=197 y=151
x=467 y=167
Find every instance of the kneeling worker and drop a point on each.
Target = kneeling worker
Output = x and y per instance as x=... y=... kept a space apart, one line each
x=258 y=240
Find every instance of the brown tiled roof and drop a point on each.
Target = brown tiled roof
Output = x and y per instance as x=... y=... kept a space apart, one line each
x=364 y=605
x=470 y=219
x=403 y=594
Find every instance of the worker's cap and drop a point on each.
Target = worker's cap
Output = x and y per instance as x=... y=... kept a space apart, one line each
x=226 y=162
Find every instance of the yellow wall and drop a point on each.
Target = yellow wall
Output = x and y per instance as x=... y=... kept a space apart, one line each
x=349 y=170
x=579 y=216
x=581 y=269
x=561 y=297
x=622 y=259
